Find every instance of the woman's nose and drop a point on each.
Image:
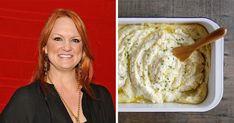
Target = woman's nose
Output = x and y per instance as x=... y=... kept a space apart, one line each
x=67 y=46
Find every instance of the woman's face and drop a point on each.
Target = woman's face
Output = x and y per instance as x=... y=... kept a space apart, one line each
x=64 y=46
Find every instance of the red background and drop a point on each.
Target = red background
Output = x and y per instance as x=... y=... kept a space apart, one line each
x=20 y=26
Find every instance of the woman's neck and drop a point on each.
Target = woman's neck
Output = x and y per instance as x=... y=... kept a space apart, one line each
x=63 y=79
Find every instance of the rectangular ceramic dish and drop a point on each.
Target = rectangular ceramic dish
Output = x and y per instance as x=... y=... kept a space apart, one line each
x=215 y=84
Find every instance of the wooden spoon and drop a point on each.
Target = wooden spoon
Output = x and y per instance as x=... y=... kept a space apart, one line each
x=183 y=52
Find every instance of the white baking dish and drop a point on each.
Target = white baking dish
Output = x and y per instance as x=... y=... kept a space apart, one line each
x=215 y=84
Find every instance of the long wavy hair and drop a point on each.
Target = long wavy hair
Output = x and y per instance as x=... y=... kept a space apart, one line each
x=84 y=71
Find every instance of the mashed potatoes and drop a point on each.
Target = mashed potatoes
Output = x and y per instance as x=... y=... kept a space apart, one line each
x=149 y=73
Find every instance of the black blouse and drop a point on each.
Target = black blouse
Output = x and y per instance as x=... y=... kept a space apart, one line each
x=30 y=105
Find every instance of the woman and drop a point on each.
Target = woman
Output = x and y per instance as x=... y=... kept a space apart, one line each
x=62 y=91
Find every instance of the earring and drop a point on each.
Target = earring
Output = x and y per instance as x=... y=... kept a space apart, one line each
x=78 y=71
x=46 y=60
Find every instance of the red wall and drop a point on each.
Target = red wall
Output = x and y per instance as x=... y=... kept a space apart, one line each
x=20 y=26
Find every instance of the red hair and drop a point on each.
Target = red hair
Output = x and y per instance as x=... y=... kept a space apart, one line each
x=85 y=71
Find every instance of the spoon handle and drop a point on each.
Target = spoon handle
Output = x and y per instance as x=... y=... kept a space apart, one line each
x=213 y=36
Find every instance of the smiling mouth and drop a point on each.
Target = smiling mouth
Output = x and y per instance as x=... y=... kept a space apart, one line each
x=65 y=55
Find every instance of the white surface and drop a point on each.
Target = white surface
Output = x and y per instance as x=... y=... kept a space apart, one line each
x=215 y=84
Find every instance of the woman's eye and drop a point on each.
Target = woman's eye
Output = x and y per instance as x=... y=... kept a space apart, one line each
x=76 y=40
x=58 y=39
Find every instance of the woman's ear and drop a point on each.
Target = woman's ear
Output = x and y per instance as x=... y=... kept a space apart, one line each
x=83 y=54
x=45 y=49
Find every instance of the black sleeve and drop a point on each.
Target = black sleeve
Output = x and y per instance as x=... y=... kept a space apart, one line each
x=19 y=108
x=108 y=107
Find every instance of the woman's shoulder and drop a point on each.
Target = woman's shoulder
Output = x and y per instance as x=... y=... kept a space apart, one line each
x=101 y=92
x=23 y=100
x=99 y=88
x=26 y=92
